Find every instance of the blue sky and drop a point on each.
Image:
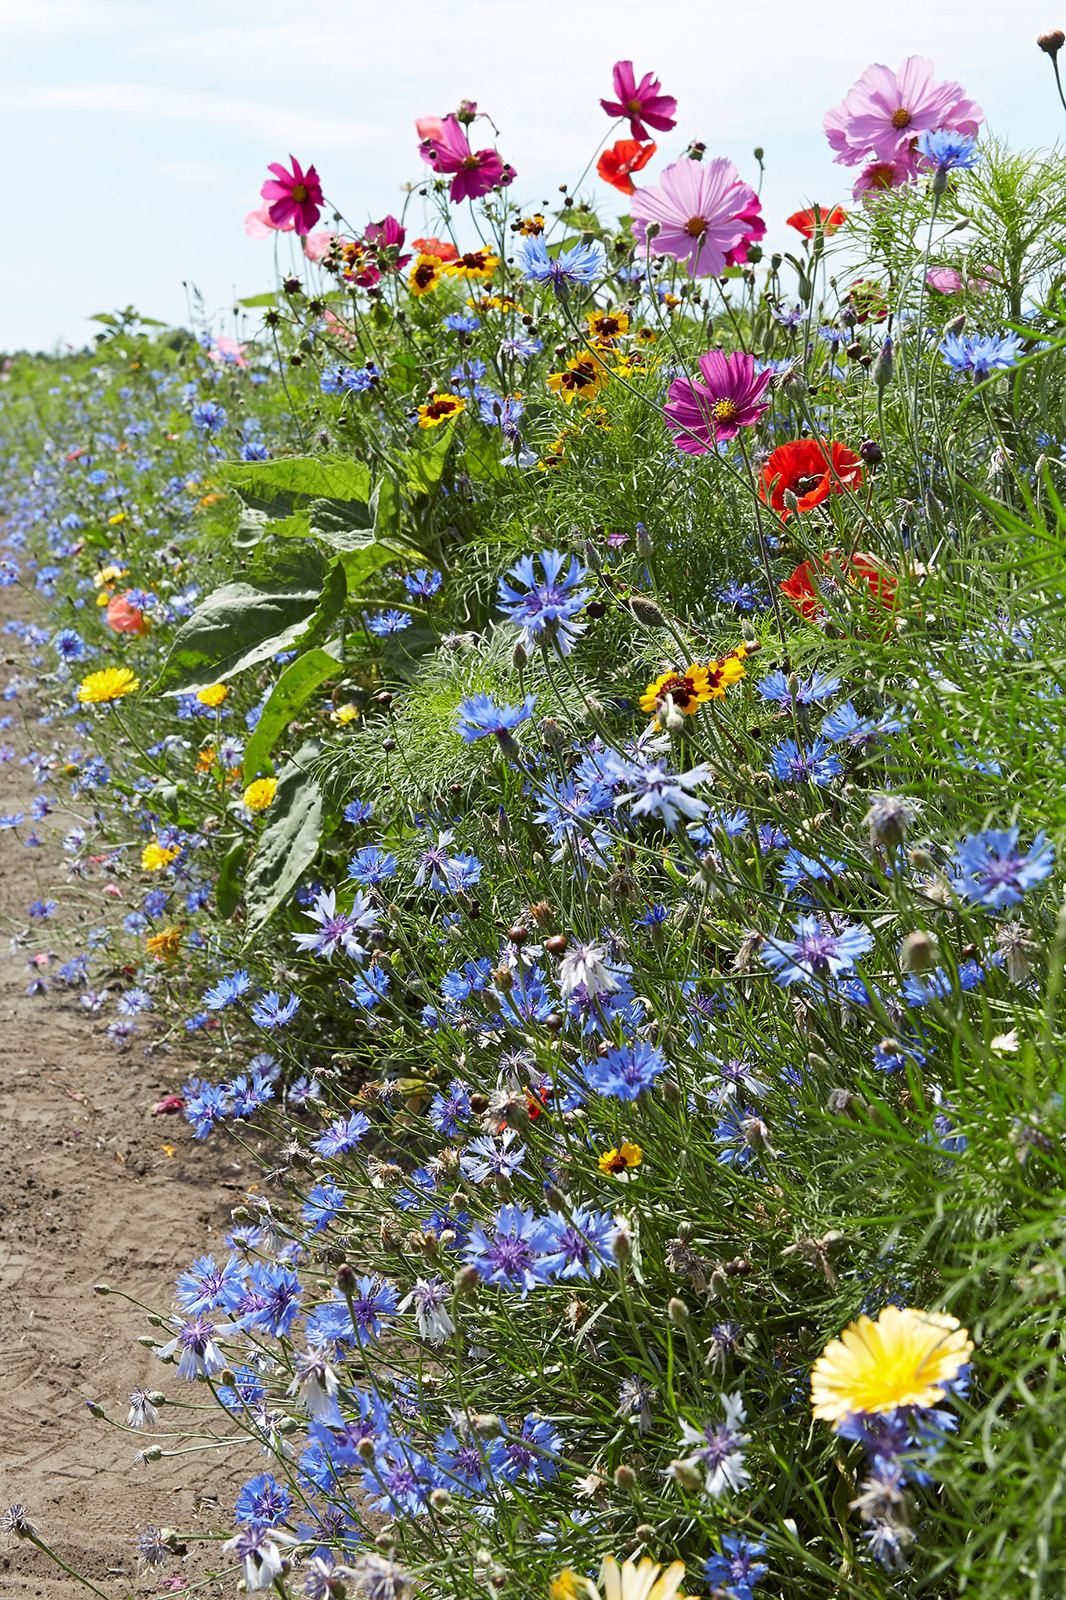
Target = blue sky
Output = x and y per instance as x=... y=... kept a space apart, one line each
x=136 y=133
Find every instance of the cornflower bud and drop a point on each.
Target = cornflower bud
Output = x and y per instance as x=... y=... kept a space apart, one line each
x=365 y=1449
x=466 y=1281
x=625 y=1479
x=440 y=1500
x=883 y=365
x=488 y=1425
x=918 y=952
x=687 y=1474
x=678 y=1312
x=519 y=656
x=888 y=819
x=794 y=386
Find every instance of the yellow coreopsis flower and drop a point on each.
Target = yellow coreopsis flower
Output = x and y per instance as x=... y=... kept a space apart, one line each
x=213 y=695
x=905 y=1358
x=688 y=690
x=155 y=856
x=604 y=326
x=616 y=1163
x=425 y=274
x=438 y=408
x=259 y=794
x=119 y=516
x=111 y=684
x=478 y=265
x=584 y=376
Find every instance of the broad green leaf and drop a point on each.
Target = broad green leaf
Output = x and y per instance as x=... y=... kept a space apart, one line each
x=288 y=843
x=385 y=509
x=291 y=692
x=253 y=300
x=227 y=888
x=318 y=477
x=238 y=626
x=362 y=563
x=425 y=464
x=250 y=529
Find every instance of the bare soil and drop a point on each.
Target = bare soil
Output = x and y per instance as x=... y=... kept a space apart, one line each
x=93 y=1188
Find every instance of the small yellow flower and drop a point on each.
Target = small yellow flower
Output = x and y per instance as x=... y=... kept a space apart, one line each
x=213 y=696
x=637 y=1580
x=723 y=673
x=647 y=335
x=110 y=684
x=110 y=574
x=119 y=516
x=155 y=856
x=425 y=274
x=344 y=714
x=584 y=377
x=164 y=945
x=688 y=690
x=615 y=1163
x=438 y=408
x=259 y=794
x=478 y=265
x=529 y=227
x=495 y=302
x=605 y=326
x=905 y=1358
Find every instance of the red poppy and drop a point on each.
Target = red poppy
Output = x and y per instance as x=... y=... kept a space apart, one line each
x=806 y=222
x=436 y=247
x=807 y=585
x=804 y=467
x=624 y=156
x=124 y=617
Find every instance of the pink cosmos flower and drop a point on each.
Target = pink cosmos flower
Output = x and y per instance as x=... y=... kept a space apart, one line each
x=316 y=245
x=728 y=400
x=707 y=215
x=226 y=347
x=293 y=197
x=257 y=224
x=886 y=174
x=639 y=101
x=944 y=280
x=473 y=172
x=884 y=112
x=385 y=233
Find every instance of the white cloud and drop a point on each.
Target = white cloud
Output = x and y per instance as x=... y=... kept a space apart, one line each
x=258 y=119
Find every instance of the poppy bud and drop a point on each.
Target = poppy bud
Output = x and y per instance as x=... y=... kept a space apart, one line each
x=227 y=1378
x=790 y=499
x=645 y=611
x=758 y=152
x=1051 y=43
x=517 y=935
x=881 y=371
x=554 y=1022
x=346 y=1279
x=871 y=452
x=625 y=1478
x=918 y=951
x=794 y=387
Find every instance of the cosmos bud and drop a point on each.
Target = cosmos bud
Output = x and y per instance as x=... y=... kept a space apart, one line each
x=1051 y=43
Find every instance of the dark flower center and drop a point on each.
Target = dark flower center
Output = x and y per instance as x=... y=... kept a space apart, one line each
x=901 y=118
x=695 y=226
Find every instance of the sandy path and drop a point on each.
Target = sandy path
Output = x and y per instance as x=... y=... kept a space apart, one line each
x=88 y=1194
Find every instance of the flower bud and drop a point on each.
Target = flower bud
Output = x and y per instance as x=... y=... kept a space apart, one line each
x=678 y=1312
x=622 y=1247
x=794 y=387
x=153 y=1453
x=365 y=1449
x=285 y=1426
x=645 y=611
x=487 y=1425
x=643 y=1532
x=94 y=1410
x=918 y=952
x=791 y=500
x=625 y=1479
x=871 y=452
x=687 y=1474
x=956 y=325
x=101 y=1288
x=346 y=1279
x=227 y=1378
x=466 y=1281
x=440 y=1500
x=883 y=365
x=1051 y=43
x=888 y=819
x=653 y=230
x=519 y=656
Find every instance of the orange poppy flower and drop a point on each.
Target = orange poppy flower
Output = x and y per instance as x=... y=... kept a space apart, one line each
x=803 y=467
x=806 y=222
x=624 y=156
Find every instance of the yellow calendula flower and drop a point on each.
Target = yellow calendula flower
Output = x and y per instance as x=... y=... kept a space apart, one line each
x=615 y=1163
x=110 y=574
x=164 y=946
x=606 y=326
x=905 y=1358
x=259 y=794
x=213 y=695
x=478 y=265
x=438 y=408
x=636 y=1580
x=425 y=274
x=584 y=377
x=156 y=856
x=688 y=690
x=206 y=759
x=111 y=684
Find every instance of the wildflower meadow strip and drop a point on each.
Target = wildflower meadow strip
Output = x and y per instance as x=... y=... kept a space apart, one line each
x=576 y=722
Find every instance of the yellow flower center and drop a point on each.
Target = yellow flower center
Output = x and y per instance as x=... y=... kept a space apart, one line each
x=633 y=107
x=724 y=411
x=695 y=226
x=901 y=118
x=299 y=193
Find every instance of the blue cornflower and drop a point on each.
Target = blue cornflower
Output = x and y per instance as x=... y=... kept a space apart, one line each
x=544 y=610
x=227 y=990
x=980 y=353
x=264 y=1500
x=774 y=686
x=625 y=1073
x=384 y=623
x=798 y=869
x=422 y=584
x=528 y=1453
x=272 y=1302
x=579 y=1244
x=483 y=1158
x=324 y=1203
x=205 y=1287
x=209 y=416
x=337 y=929
x=654 y=917
x=448 y=1111
x=892 y=1055
x=345 y=380
x=480 y=717
x=402 y=1481
x=371 y=866
x=253 y=450
x=357 y=810
x=456 y=322
x=736 y=1569
x=343 y=1134
x=510 y=1252
x=742 y=595
x=948 y=150
x=12 y=819
x=248 y=1097
x=470 y=1465
x=843 y=725
x=133 y=1002
x=582 y=264
x=990 y=870
x=43 y=909
x=788 y=319
x=518 y=348
x=272 y=1012
x=372 y=1300
x=69 y=644
x=821 y=949
x=816 y=764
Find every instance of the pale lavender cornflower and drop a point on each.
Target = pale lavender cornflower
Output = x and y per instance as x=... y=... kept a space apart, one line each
x=200 y=1355
x=258 y=1549
x=483 y=1158
x=429 y=1300
x=315 y=1384
x=338 y=929
x=719 y=1449
x=654 y=792
x=142 y=1412
x=584 y=965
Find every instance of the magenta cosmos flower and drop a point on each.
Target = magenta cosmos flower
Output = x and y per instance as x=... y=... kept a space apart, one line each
x=294 y=199
x=728 y=400
x=707 y=215
x=883 y=113
x=473 y=172
x=640 y=102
